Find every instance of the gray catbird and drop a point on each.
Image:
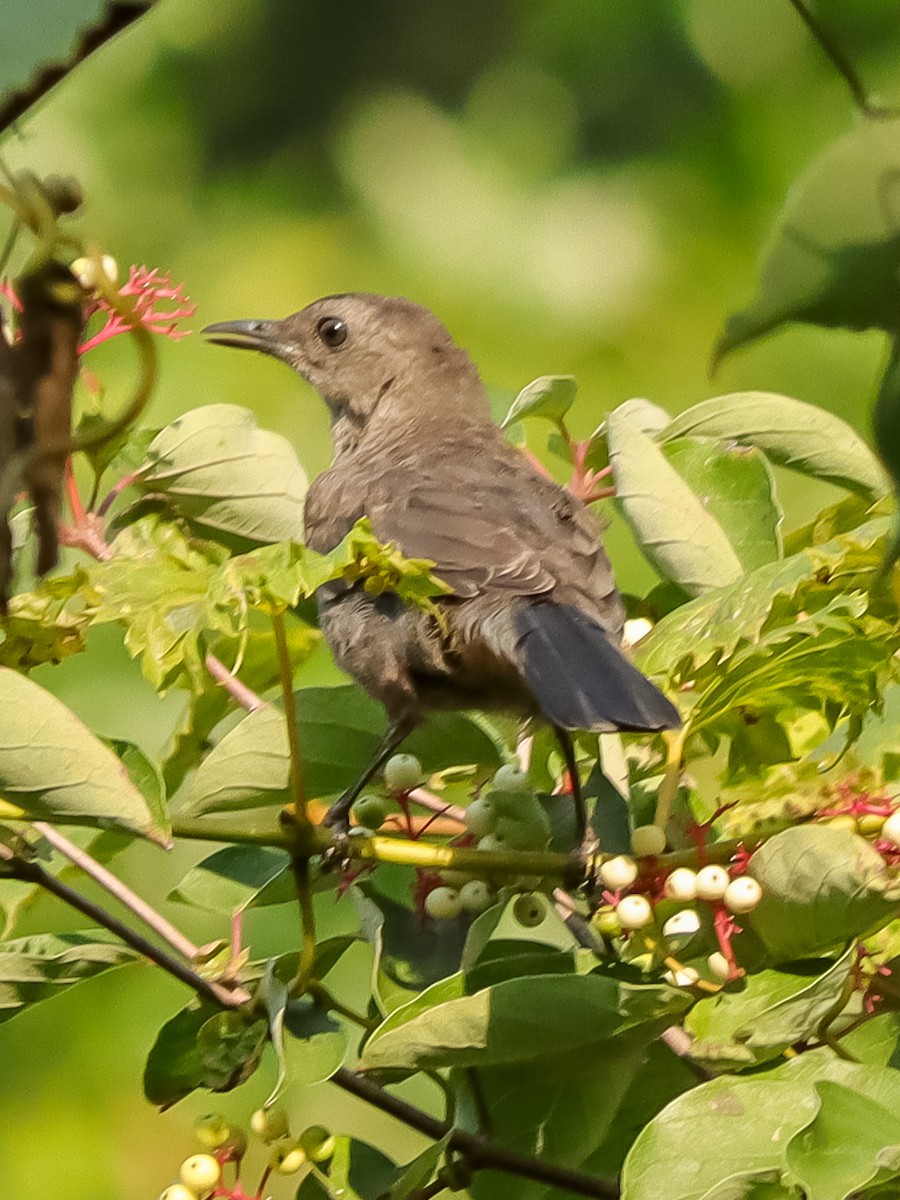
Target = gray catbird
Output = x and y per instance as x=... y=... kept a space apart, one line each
x=533 y=624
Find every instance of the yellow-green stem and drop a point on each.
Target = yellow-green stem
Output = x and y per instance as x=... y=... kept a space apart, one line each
x=307 y=961
x=298 y=793
x=669 y=787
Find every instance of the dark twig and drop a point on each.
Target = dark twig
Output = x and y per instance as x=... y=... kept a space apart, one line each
x=840 y=61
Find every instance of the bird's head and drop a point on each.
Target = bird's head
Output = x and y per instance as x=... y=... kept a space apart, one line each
x=367 y=354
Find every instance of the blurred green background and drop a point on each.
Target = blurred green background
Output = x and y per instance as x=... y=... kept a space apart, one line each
x=575 y=186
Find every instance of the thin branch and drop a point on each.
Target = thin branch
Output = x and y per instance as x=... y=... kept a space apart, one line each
x=238 y=691
x=112 y=884
x=426 y=799
x=32 y=872
x=841 y=62
x=479 y=1152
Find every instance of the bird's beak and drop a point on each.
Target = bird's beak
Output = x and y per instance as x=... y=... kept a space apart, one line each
x=245 y=335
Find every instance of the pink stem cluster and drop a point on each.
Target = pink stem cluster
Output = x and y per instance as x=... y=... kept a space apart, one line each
x=148 y=288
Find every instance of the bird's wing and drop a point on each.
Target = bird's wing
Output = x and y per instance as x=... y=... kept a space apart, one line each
x=480 y=527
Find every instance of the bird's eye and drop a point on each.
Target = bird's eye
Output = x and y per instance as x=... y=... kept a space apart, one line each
x=332 y=331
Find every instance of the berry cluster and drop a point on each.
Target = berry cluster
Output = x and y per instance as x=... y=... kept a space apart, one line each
x=640 y=901
x=201 y=1175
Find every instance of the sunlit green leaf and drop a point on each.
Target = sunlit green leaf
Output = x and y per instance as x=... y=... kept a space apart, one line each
x=238 y=877
x=356 y=1171
x=39 y=967
x=669 y=520
x=551 y=396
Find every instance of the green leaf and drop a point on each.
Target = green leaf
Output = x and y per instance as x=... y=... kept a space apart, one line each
x=53 y=768
x=852 y=1142
x=550 y=396
x=47 y=624
x=146 y=777
x=37 y=968
x=340 y=730
x=202 y=1046
x=821 y=887
x=791 y=433
x=709 y=628
x=41 y=43
x=420 y=1171
x=736 y=486
x=356 y=1171
x=504 y=1025
x=227 y=476
x=669 y=520
x=236 y=878
x=834 y=255
x=716 y=1139
x=759 y=1018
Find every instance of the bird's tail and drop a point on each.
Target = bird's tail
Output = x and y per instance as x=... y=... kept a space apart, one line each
x=580 y=678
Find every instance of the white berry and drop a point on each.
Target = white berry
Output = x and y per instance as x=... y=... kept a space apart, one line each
x=475 y=896
x=686 y=977
x=712 y=882
x=719 y=965
x=634 y=912
x=682 y=924
x=288 y=1159
x=742 y=895
x=890 y=830
x=648 y=839
x=635 y=629
x=510 y=778
x=177 y=1191
x=682 y=884
x=443 y=903
x=200 y=1172
x=402 y=773
x=619 y=872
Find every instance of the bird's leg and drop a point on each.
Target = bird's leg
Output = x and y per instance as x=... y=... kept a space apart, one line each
x=338 y=816
x=568 y=751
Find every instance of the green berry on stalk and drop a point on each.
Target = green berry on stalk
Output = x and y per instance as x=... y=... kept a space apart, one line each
x=201 y=1173
x=288 y=1158
x=843 y=821
x=443 y=904
x=529 y=910
x=742 y=895
x=212 y=1131
x=606 y=922
x=177 y=1191
x=712 y=882
x=511 y=778
x=369 y=811
x=634 y=912
x=870 y=824
x=481 y=817
x=317 y=1143
x=619 y=872
x=682 y=884
x=890 y=830
x=475 y=896
x=270 y=1124
x=491 y=843
x=402 y=773
x=648 y=840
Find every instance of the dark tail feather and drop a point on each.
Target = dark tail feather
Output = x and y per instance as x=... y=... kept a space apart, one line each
x=580 y=678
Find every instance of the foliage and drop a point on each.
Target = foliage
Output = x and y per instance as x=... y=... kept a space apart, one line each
x=545 y=1003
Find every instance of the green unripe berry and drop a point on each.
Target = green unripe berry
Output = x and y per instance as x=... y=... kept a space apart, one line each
x=443 y=904
x=317 y=1143
x=634 y=912
x=606 y=922
x=742 y=895
x=491 y=843
x=712 y=882
x=870 y=824
x=475 y=896
x=212 y=1131
x=402 y=773
x=648 y=840
x=288 y=1158
x=481 y=817
x=270 y=1124
x=890 y=830
x=511 y=778
x=529 y=910
x=369 y=812
x=201 y=1173
x=843 y=821
x=177 y=1191
x=619 y=872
